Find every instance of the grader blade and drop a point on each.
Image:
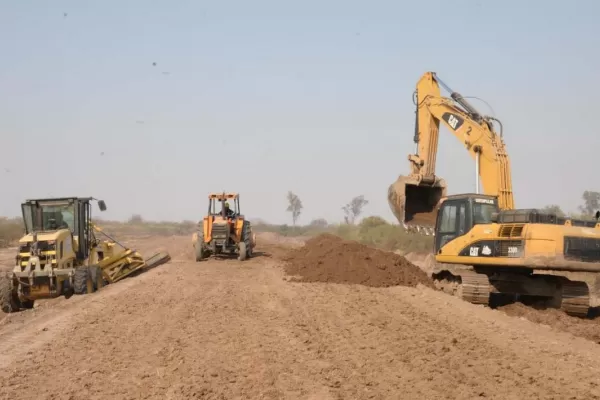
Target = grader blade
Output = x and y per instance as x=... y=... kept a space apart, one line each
x=414 y=202
x=127 y=262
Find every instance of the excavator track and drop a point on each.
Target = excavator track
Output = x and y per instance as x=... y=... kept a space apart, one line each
x=475 y=287
x=467 y=285
x=575 y=298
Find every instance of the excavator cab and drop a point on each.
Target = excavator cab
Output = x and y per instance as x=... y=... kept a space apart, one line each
x=459 y=213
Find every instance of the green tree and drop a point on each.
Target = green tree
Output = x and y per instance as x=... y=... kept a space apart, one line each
x=554 y=209
x=591 y=203
x=371 y=222
x=319 y=223
x=294 y=206
x=136 y=219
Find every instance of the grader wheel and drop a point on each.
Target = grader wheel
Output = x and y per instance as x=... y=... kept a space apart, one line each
x=82 y=281
x=9 y=302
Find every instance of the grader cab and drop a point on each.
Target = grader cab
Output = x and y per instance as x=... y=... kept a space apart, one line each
x=224 y=230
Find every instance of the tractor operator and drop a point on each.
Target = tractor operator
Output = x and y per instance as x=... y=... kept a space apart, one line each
x=228 y=211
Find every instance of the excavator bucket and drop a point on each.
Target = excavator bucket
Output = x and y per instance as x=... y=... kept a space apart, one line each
x=414 y=203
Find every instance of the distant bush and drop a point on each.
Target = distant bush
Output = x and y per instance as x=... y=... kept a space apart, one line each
x=141 y=227
x=136 y=219
x=11 y=229
x=318 y=223
x=373 y=231
x=394 y=237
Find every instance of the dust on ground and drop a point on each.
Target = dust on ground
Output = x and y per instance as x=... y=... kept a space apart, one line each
x=228 y=329
x=329 y=258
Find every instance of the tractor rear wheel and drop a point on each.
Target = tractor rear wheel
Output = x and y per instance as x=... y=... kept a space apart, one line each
x=199 y=249
x=247 y=238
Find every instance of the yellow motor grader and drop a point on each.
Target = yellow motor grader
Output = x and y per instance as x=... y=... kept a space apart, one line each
x=60 y=254
x=224 y=232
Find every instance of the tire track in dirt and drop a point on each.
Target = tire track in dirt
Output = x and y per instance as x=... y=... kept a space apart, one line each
x=25 y=332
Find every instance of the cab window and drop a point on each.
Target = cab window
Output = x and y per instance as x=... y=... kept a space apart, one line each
x=448 y=222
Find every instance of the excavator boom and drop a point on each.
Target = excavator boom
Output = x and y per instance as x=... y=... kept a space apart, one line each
x=413 y=198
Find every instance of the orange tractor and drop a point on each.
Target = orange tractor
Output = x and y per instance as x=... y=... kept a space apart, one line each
x=224 y=231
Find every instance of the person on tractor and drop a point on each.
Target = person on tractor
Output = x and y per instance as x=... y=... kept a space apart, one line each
x=228 y=211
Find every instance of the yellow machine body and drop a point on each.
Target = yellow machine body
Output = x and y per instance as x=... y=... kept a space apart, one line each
x=61 y=255
x=486 y=250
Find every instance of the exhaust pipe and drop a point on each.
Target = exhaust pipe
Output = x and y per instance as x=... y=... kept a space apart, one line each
x=414 y=202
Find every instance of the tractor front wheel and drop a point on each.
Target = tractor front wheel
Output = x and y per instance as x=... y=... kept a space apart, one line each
x=243 y=252
x=199 y=250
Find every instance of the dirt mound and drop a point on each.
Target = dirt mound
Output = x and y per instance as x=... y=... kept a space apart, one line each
x=328 y=258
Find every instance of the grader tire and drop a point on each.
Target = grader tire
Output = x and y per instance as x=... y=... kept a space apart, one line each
x=28 y=304
x=80 y=280
x=9 y=302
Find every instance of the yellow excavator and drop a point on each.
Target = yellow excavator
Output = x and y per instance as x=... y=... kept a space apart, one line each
x=61 y=254
x=484 y=248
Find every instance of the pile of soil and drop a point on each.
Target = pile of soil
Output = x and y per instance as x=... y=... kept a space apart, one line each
x=329 y=258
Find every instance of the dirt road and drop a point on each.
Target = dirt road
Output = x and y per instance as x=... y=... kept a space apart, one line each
x=230 y=330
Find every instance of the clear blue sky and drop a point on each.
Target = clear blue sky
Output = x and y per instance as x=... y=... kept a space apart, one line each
x=263 y=97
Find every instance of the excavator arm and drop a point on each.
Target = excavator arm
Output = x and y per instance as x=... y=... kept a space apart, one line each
x=414 y=198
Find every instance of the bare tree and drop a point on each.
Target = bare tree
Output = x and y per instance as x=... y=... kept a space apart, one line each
x=354 y=208
x=294 y=206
